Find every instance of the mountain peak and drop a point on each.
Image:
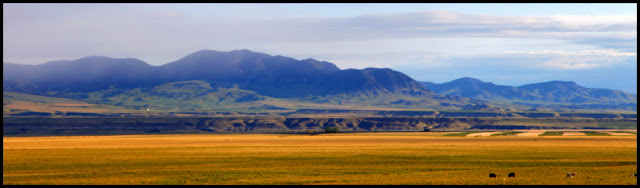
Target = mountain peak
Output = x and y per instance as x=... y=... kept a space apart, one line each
x=243 y=51
x=468 y=79
x=208 y=51
x=555 y=84
x=376 y=69
x=95 y=58
x=561 y=82
x=545 y=92
x=246 y=52
x=205 y=51
x=96 y=62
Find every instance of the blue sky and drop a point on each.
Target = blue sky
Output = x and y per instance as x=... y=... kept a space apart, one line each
x=507 y=44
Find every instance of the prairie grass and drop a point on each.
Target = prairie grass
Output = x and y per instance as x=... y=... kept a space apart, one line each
x=510 y=133
x=462 y=134
x=552 y=133
x=630 y=132
x=594 y=133
x=377 y=158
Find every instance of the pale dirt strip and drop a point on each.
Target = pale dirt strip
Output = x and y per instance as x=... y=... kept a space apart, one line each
x=574 y=134
x=482 y=134
x=619 y=134
x=531 y=133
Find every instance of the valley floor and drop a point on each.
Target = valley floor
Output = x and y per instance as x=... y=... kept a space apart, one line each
x=422 y=158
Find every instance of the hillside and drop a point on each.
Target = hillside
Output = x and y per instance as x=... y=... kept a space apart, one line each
x=212 y=80
x=553 y=94
x=244 y=80
x=559 y=91
x=85 y=74
x=477 y=89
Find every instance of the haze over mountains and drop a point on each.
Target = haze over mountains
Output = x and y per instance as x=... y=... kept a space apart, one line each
x=242 y=78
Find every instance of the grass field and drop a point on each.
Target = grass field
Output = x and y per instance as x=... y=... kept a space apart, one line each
x=594 y=133
x=346 y=158
x=510 y=133
x=461 y=134
x=552 y=133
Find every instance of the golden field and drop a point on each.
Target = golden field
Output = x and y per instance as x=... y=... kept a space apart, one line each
x=346 y=158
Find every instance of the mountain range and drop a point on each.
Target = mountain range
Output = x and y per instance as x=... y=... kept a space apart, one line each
x=210 y=79
x=276 y=76
x=552 y=92
x=217 y=80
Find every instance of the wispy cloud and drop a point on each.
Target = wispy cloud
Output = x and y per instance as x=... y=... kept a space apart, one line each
x=134 y=30
x=585 y=59
x=452 y=24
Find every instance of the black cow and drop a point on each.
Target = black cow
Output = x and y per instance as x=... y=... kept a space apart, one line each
x=571 y=174
x=634 y=175
x=512 y=175
x=492 y=175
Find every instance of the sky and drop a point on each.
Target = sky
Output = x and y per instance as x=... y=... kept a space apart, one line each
x=594 y=45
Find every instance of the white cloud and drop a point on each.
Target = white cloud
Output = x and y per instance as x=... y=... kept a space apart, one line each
x=596 y=20
x=167 y=34
x=573 y=60
x=605 y=52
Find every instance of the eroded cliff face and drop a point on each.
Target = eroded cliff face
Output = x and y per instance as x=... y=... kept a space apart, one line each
x=143 y=125
x=100 y=125
x=450 y=114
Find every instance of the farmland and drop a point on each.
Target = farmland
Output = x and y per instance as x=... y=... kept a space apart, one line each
x=425 y=158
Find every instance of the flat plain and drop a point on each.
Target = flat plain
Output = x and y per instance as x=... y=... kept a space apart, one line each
x=387 y=158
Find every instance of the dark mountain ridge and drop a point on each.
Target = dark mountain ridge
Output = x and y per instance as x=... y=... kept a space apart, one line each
x=85 y=74
x=275 y=76
x=545 y=92
x=243 y=76
x=477 y=89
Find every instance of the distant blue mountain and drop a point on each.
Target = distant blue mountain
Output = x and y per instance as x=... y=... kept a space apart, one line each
x=546 y=92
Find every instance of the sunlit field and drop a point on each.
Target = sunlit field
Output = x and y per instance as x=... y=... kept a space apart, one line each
x=344 y=158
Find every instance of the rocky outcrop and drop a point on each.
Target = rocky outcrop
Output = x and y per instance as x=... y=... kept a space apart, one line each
x=139 y=125
x=452 y=114
x=143 y=125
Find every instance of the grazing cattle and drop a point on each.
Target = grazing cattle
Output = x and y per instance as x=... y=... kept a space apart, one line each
x=512 y=175
x=492 y=175
x=634 y=175
x=571 y=174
